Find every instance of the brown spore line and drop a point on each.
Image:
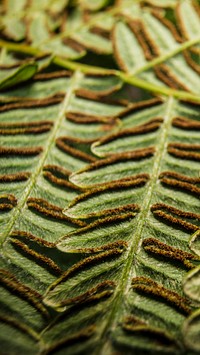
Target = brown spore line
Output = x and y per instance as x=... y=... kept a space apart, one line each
x=173 y=217
x=150 y=287
x=7 y=202
x=16 y=177
x=38 y=127
x=184 y=151
x=181 y=185
x=47 y=209
x=67 y=145
x=21 y=152
x=168 y=252
x=186 y=123
x=179 y=177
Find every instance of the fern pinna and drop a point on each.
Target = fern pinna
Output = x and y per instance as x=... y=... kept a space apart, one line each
x=99 y=179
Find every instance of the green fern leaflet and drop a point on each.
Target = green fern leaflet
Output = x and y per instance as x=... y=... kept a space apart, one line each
x=100 y=177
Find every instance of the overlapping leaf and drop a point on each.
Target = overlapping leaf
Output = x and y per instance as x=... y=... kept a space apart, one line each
x=147 y=45
x=10 y=77
x=47 y=26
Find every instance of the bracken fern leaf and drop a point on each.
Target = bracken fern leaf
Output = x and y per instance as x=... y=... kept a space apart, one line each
x=99 y=180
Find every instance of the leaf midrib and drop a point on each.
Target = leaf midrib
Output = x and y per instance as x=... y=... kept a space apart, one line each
x=170 y=54
x=125 y=77
x=49 y=143
x=126 y=277
x=31 y=50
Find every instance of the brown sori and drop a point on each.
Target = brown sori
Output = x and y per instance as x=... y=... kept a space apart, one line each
x=150 y=287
